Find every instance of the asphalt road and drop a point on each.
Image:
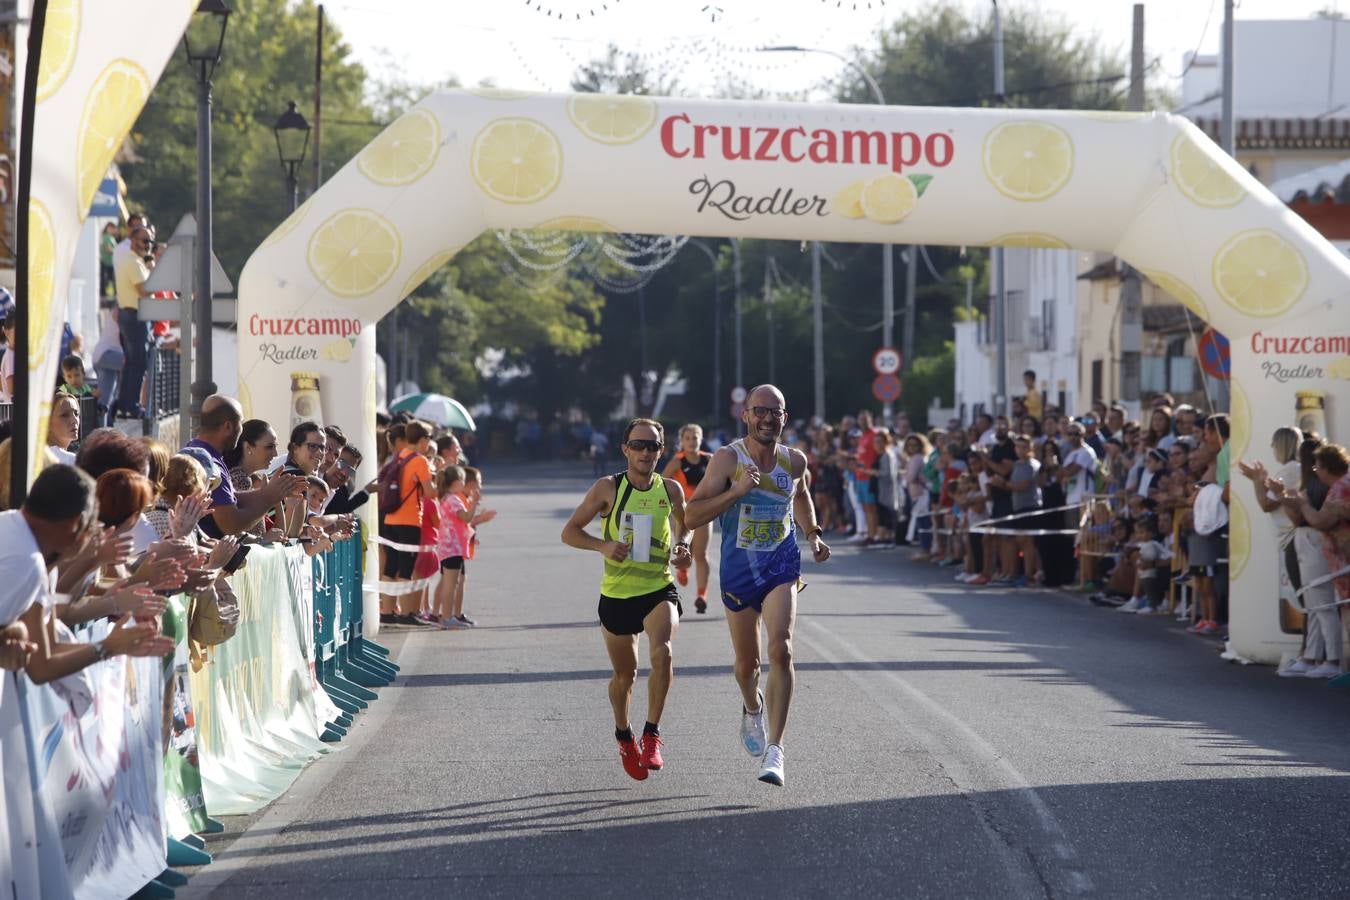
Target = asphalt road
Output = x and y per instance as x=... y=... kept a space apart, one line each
x=944 y=741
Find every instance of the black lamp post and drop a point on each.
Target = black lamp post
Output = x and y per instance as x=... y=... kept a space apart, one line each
x=203 y=40
x=292 y=134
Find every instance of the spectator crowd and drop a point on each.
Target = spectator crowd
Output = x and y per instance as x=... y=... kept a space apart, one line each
x=1133 y=513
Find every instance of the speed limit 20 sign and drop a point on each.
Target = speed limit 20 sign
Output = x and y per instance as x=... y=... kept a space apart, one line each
x=886 y=361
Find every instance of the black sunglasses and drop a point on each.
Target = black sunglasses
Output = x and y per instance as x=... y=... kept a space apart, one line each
x=639 y=445
x=776 y=412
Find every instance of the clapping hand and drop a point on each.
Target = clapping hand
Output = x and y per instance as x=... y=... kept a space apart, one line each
x=222 y=553
x=114 y=548
x=138 y=601
x=15 y=648
x=187 y=512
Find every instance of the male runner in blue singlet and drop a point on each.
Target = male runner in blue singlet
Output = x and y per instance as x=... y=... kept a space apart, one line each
x=757 y=488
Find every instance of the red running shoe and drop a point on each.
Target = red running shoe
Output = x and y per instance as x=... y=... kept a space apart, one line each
x=630 y=756
x=682 y=576
x=651 y=751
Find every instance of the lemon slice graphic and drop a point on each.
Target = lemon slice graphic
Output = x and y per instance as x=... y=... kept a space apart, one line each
x=1028 y=161
x=1030 y=239
x=848 y=202
x=41 y=283
x=1178 y=290
x=60 y=36
x=115 y=100
x=516 y=160
x=889 y=198
x=1201 y=177
x=1260 y=273
x=612 y=118
x=354 y=252
x=404 y=152
x=427 y=269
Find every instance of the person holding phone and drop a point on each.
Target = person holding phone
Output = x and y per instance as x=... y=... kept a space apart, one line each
x=642 y=536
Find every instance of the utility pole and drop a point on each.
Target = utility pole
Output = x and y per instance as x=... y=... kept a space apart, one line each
x=318 y=105
x=818 y=332
x=1131 y=298
x=768 y=312
x=1226 y=125
x=911 y=273
x=1002 y=403
x=736 y=278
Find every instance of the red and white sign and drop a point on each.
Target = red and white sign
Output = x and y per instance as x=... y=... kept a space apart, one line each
x=886 y=361
x=886 y=388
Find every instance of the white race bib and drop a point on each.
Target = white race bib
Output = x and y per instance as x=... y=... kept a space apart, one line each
x=761 y=527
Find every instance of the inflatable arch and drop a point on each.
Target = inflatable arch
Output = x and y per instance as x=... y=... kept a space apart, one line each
x=1148 y=187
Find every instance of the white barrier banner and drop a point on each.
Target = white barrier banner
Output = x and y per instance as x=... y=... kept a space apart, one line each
x=101 y=775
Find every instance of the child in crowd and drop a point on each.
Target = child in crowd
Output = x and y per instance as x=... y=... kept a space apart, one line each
x=72 y=378
x=458 y=506
x=1150 y=575
x=316 y=496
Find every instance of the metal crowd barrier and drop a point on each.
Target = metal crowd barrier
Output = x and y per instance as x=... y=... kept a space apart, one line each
x=346 y=664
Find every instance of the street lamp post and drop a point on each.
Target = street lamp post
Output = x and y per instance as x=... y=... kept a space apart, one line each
x=717 y=330
x=1002 y=405
x=887 y=257
x=292 y=134
x=203 y=40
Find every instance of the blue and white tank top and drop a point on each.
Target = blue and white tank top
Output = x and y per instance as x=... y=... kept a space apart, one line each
x=759 y=538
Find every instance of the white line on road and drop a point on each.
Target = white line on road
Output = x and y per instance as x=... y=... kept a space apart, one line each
x=964 y=755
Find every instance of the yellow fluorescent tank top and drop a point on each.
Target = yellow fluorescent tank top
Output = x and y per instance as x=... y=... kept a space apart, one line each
x=638 y=514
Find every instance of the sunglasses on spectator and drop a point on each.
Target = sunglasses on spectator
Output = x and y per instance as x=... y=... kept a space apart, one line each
x=638 y=445
x=345 y=466
x=314 y=448
x=761 y=412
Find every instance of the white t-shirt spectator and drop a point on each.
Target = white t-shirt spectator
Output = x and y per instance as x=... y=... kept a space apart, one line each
x=23 y=572
x=1287 y=475
x=1080 y=484
x=65 y=457
x=6 y=373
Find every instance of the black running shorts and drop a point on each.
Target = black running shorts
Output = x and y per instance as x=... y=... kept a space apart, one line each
x=624 y=615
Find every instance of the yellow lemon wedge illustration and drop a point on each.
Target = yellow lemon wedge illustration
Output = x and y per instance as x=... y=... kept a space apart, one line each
x=289 y=223
x=488 y=92
x=111 y=108
x=41 y=283
x=338 y=351
x=1239 y=421
x=1201 y=177
x=1030 y=239
x=612 y=118
x=354 y=252
x=516 y=160
x=404 y=152
x=1260 y=273
x=1178 y=290
x=888 y=198
x=848 y=202
x=575 y=223
x=1028 y=161
x=427 y=269
x=1239 y=536
x=60 y=36
x=1339 y=368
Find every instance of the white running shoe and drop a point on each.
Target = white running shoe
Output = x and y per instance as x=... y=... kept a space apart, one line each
x=753 y=735
x=1133 y=605
x=1296 y=669
x=771 y=769
x=1325 y=670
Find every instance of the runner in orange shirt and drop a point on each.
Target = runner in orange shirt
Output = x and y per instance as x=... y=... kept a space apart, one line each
x=687 y=467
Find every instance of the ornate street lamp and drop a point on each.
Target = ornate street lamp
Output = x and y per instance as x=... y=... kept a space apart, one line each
x=292 y=134
x=203 y=42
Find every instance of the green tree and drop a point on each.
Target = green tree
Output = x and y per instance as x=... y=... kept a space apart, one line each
x=268 y=58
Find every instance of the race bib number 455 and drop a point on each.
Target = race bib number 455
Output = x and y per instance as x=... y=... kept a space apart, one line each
x=761 y=528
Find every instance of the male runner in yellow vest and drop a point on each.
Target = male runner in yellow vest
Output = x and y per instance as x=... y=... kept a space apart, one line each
x=642 y=536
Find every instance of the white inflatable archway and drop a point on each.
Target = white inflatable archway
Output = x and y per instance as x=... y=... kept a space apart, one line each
x=1150 y=188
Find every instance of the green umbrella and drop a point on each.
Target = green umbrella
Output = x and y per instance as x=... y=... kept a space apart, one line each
x=437 y=409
